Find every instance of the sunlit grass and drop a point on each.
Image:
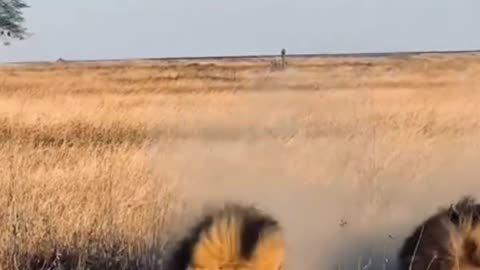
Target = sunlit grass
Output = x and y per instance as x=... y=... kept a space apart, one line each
x=84 y=183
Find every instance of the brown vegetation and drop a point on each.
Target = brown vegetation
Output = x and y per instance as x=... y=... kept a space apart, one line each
x=97 y=160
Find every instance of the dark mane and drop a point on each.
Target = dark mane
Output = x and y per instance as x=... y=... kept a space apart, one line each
x=430 y=242
x=254 y=223
x=182 y=252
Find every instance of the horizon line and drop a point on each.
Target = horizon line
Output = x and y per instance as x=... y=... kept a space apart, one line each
x=252 y=56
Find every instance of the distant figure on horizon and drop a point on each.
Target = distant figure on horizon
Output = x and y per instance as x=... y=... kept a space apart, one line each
x=284 y=53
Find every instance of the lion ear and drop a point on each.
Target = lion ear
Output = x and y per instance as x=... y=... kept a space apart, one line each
x=453 y=214
x=453 y=208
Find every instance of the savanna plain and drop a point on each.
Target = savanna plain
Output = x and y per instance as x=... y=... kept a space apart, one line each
x=104 y=164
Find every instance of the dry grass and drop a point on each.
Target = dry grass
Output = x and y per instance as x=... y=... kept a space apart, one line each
x=98 y=160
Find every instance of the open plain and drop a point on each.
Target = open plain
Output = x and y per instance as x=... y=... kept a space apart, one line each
x=102 y=162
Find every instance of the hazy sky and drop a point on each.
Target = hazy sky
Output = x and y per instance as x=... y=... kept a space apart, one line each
x=89 y=29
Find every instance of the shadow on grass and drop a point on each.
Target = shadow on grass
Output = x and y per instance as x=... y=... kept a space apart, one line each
x=97 y=257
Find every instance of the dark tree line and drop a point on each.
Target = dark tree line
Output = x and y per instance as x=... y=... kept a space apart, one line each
x=11 y=19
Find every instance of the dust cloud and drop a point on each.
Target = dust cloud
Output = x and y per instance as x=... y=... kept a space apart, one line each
x=347 y=173
x=309 y=186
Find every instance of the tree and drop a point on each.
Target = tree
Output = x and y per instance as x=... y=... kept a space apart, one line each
x=11 y=19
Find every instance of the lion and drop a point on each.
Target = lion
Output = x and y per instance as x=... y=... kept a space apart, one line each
x=232 y=237
x=447 y=240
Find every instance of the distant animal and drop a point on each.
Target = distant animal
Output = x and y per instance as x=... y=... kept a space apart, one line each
x=231 y=237
x=447 y=240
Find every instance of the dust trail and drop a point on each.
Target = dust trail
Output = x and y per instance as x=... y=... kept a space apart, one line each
x=347 y=173
x=330 y=223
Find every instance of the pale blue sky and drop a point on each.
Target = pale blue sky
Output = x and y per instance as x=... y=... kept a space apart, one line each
x=89 y=29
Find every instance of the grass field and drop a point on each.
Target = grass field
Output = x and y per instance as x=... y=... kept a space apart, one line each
x=101 y=163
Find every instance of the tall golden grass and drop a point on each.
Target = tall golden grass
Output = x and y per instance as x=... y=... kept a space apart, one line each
x=98 y=160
